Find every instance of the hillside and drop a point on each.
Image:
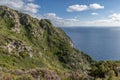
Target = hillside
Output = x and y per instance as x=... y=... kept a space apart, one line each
x=32 y=49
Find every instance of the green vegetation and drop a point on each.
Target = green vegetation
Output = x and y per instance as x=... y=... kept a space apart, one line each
x=106 y=70
x=32 y=49
x=28 y=44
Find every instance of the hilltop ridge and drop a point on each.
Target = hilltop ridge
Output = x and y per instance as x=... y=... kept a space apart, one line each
x=37 y=49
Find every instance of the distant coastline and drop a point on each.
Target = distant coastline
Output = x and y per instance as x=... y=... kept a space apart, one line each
x=90 y=26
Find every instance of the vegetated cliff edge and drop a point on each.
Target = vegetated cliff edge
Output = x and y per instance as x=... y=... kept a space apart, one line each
x=35 y=49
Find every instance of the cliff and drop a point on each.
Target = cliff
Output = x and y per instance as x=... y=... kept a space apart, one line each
x=32 y=49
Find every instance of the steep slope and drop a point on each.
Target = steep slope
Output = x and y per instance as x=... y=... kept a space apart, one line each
x=28 y=43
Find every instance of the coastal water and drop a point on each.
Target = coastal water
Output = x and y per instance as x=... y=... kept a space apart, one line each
x=100 y=43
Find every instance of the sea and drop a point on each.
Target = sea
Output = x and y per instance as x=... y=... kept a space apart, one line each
x=101 y=43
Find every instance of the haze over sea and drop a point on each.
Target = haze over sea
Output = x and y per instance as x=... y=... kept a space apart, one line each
x=101 y=43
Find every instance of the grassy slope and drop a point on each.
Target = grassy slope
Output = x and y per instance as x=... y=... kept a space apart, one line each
x=50 y=46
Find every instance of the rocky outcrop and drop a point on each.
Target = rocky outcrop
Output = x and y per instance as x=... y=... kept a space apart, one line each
x=17 y=47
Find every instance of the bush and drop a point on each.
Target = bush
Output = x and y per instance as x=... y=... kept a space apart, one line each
x=24 y=77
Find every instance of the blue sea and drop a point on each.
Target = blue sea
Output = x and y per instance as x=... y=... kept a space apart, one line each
x=101 y=43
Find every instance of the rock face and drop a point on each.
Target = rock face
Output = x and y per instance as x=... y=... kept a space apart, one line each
x=29 y=43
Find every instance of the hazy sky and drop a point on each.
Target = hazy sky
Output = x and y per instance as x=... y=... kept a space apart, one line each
x=71 y=12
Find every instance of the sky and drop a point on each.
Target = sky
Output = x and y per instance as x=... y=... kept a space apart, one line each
x=71 y=13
